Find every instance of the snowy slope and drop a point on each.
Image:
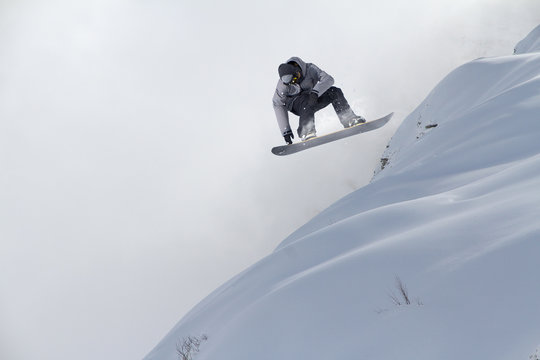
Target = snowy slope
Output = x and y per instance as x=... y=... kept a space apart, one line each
x=531 y=43
x=455 y=214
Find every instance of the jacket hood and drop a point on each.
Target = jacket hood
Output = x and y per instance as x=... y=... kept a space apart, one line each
x=300 y=62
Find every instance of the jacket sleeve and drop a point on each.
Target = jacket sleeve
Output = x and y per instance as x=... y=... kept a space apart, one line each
x=324 y=82
x=278 y=101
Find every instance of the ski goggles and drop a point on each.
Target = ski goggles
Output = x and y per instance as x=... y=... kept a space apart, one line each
x=289 y=79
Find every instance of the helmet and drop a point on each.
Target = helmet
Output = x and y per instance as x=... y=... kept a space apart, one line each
x=288 y=73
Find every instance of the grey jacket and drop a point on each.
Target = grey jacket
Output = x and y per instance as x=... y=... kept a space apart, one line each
x=313 y=79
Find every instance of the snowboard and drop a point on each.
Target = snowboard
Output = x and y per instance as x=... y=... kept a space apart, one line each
x=323 y=139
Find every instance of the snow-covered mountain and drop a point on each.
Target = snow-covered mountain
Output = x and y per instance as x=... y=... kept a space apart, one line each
x=454 y=215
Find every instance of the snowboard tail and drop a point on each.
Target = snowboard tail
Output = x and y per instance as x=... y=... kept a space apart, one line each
x=323 y=139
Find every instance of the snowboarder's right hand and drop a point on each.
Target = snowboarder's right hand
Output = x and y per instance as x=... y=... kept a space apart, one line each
x=294 y=89
x=288 y=136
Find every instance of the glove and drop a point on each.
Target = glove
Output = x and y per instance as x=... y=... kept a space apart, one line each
x=288 y=136
x=293 y=89
x=313 y=98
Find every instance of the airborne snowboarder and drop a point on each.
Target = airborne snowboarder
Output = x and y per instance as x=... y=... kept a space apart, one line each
x=304 y=89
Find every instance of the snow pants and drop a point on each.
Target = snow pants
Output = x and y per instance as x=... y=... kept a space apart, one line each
x=306 y=112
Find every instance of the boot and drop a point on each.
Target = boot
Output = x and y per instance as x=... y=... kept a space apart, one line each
x=308 y=136
x=357 y=120
x=348 y=118
x=306 y=128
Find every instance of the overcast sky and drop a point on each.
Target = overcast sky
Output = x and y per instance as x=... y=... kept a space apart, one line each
x=135 y=166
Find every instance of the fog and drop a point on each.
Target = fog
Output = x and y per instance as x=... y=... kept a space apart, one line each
x=135 y=166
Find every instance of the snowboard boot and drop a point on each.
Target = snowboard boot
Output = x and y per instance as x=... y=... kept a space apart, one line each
x=357 y=120
x=308 y=136
x=348 y=118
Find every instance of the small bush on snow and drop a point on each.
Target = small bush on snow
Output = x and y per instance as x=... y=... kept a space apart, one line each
x=402 y=297
x=189 y=346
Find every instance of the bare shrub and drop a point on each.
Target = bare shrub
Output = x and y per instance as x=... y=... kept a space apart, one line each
x=189 y=346
x=402 y=297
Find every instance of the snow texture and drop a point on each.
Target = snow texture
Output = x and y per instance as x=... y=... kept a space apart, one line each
x=531 y=43
x=454 y=214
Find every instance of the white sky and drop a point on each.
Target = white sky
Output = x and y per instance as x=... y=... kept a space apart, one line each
x=135 y=166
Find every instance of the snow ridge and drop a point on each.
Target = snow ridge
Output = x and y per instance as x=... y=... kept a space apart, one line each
x=531 y=43
x=454 y=213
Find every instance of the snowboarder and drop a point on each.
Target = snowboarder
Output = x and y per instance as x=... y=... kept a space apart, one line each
x=304 y=89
